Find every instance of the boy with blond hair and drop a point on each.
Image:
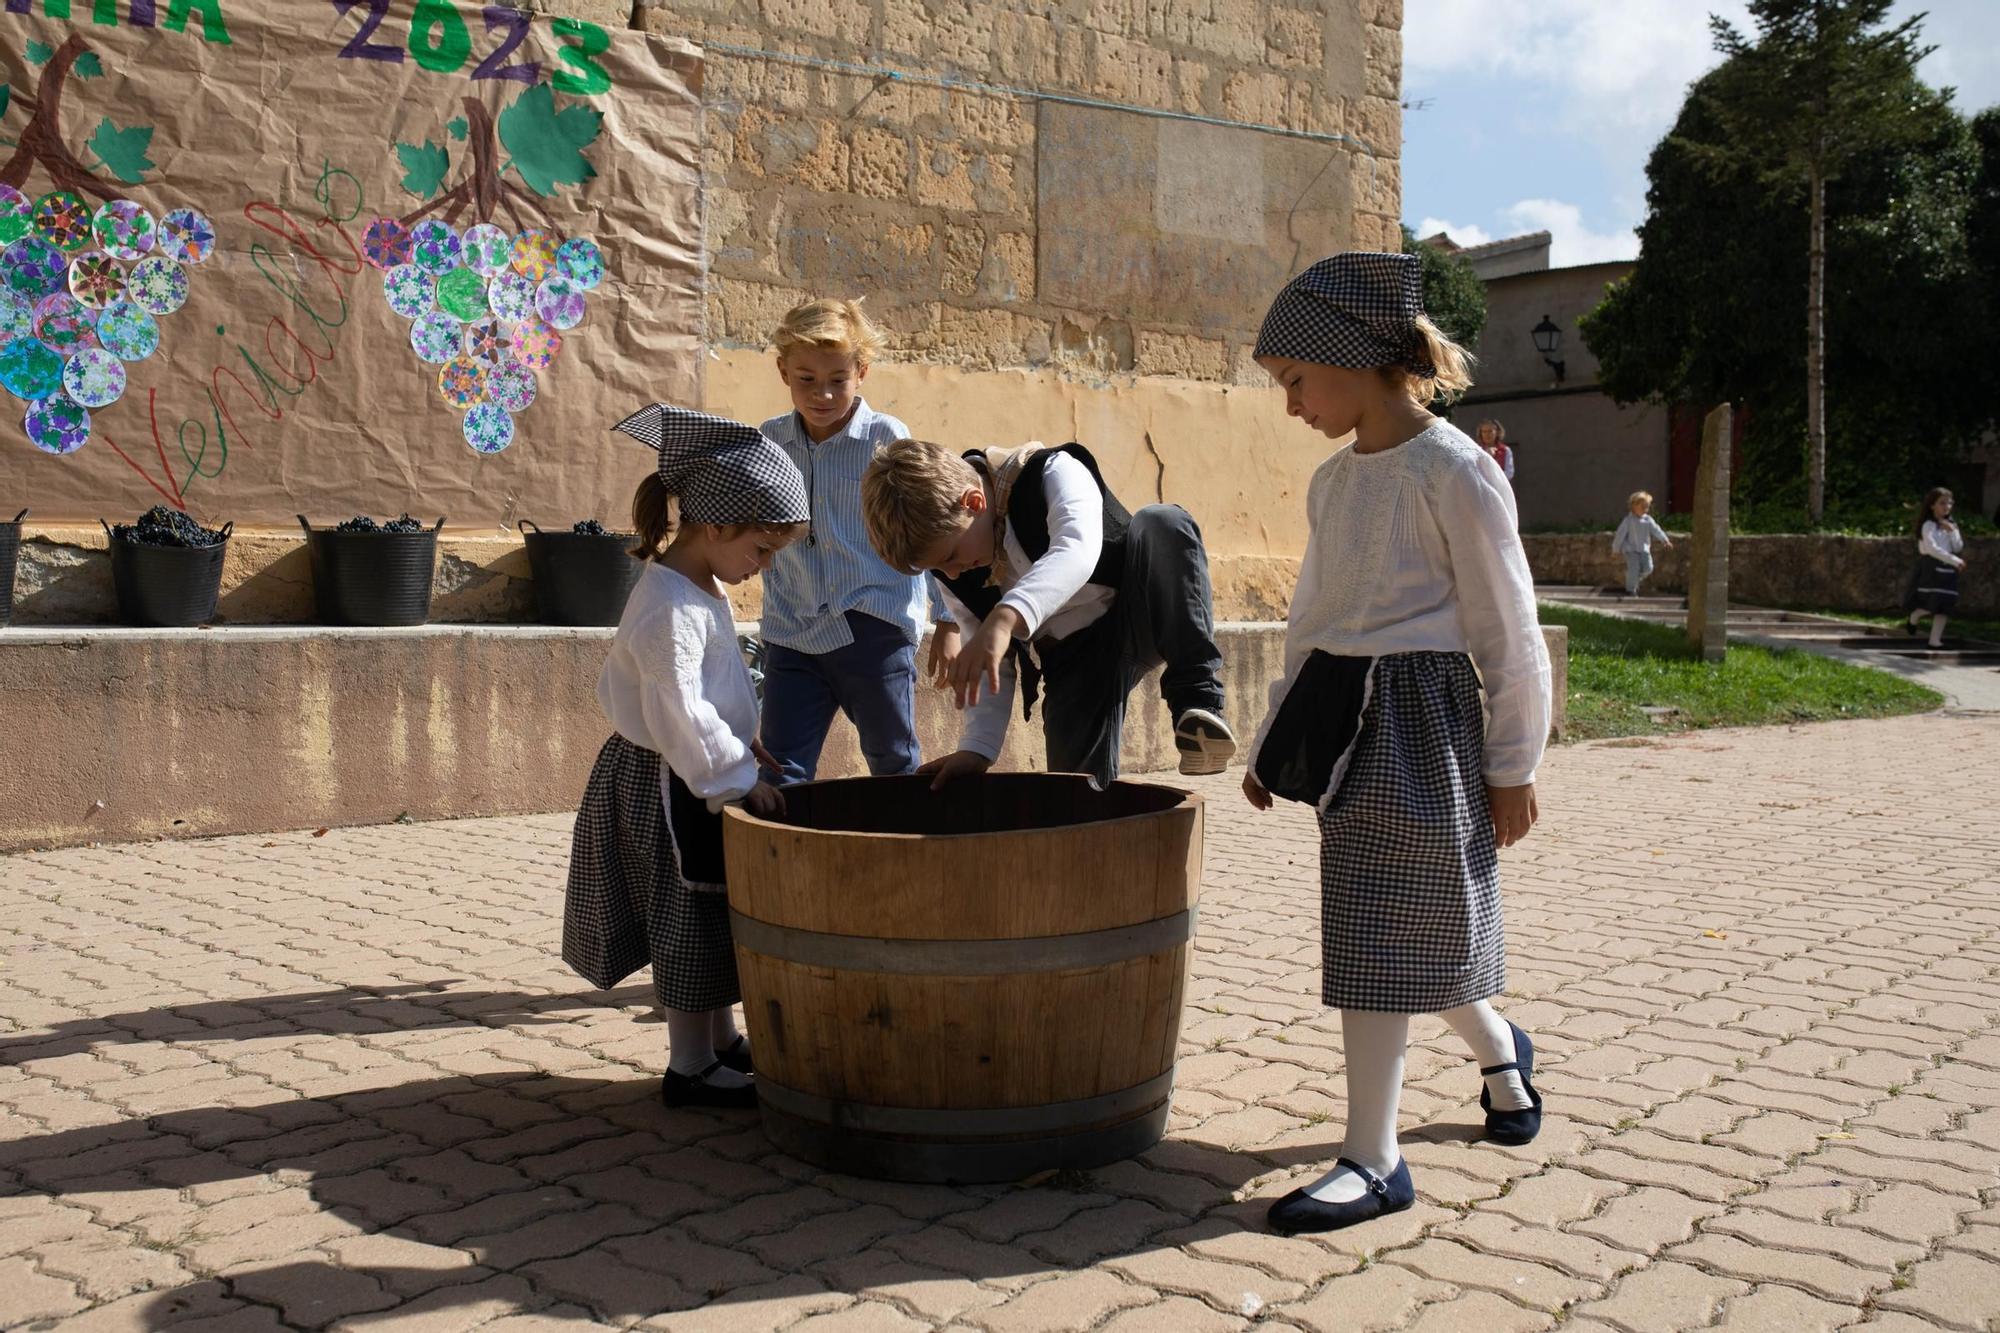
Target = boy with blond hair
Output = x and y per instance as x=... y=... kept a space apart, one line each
x=1634 y=540
x=1053 y=580
x=840 y=627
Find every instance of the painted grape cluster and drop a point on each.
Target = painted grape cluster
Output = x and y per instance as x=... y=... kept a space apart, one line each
x=82 y=292
x=486 y=307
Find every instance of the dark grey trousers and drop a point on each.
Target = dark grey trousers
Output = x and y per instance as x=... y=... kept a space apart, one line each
x=1164 y=613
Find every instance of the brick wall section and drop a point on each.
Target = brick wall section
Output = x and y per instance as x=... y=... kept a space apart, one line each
x=924 y=199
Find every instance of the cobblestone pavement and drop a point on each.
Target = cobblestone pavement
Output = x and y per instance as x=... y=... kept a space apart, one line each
x=295 y=1081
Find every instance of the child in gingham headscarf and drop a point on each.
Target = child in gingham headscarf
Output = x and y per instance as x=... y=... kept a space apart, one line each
x=645 y=875
x=1413 y=596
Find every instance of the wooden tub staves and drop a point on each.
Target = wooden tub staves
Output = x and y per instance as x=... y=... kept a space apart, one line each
x=968 y=985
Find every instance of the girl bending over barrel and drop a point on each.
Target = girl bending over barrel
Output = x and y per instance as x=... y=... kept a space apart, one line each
x=645 y=872
x=1413 y=595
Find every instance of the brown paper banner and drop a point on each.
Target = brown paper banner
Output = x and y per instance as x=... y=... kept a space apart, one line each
x=317 y=141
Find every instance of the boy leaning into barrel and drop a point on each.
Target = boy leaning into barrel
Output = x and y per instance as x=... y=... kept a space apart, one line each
x=1045 y=569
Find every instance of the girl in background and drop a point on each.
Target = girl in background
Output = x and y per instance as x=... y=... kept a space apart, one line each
x=1934 y=583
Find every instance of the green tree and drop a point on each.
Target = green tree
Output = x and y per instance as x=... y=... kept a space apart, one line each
x=1821 y=87
x=1982 y=241
x=1454 y=297
x=1711 y=311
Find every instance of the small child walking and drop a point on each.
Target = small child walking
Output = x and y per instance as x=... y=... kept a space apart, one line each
x=1634 y=540
x=840 y=627
x=1934 y=582
x=1413 y=595
x=645 y=873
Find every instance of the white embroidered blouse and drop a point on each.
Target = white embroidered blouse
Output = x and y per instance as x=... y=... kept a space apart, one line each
x=675 y=683
x=1416 y=549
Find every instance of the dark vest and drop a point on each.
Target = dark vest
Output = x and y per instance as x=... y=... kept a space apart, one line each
x=1027 y=516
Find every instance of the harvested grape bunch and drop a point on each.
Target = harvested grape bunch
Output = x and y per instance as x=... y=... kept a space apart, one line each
x=363 y=523
x=161 y=526
x=588 y=527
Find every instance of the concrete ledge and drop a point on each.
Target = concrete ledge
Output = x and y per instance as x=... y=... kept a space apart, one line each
x=120 y=734
x=482 y=578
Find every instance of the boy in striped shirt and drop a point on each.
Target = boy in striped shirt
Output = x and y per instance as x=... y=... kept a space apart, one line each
x=840 y=627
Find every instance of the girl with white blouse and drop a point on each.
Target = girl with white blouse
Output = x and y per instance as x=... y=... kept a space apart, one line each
x=1414 y=597
x=646 y=872
x=1934 y=585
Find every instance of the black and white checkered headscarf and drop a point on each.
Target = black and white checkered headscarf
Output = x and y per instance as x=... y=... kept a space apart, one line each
x=723 y=471
x=1357 y=310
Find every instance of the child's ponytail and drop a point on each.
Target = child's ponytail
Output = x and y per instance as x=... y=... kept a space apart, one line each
x=1453 y=363
x=652 y=517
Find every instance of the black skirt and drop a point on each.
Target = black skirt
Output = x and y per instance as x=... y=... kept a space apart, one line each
x=1933 y=587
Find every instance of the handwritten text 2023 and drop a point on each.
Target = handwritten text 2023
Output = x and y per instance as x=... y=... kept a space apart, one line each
x=440 y=40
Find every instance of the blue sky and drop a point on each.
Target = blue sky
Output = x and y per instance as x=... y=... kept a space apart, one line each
x=1539 y=114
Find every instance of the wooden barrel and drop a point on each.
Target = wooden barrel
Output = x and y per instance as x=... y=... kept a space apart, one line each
x=968 y=985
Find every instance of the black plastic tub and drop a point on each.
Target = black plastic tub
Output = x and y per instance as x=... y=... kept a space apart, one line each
x=581 y=578
x=166 y=587
x=372 y=578
x=10 y=548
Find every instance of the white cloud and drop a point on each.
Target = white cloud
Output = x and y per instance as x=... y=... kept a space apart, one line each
x=1619 y=68
x=1464 y=233
x=1967 y=36
x=1570 y=241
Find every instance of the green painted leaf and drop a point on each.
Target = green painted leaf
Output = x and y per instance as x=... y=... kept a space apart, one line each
x=6 y=96
x=424 y=168
x=39 y=53
x=88 y=66
x=123 y=151
x=457 y=128
x=547 y=144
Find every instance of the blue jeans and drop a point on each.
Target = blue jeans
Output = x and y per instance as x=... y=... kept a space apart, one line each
x=873 y=680
x=1638 y=564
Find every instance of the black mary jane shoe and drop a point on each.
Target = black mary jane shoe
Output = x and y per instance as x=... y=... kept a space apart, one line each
x=696 y=1090
x=736 y=1055
x=1299 y=1211
x=1514 y=1128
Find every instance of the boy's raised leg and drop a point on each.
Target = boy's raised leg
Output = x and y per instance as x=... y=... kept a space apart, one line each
x=1168 y=606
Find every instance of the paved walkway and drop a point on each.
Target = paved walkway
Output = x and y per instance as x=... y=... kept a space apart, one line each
x=291 y=1081
x=1966 y=673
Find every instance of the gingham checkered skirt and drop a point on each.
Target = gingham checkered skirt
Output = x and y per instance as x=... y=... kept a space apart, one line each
x=627 y=905
x=1409 y=874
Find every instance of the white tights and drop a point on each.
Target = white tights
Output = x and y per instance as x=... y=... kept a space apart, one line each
x=1374 y=1043
x=693 y=1036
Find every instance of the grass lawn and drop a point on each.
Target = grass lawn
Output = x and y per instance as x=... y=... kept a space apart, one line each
x=1617 y=668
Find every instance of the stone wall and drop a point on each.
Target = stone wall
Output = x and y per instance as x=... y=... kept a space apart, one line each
x=1859 y=574
x=949 y=208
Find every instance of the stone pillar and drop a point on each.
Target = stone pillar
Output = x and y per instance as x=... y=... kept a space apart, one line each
x=1708 y=558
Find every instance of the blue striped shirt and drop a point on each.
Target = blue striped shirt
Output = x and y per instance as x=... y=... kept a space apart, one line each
x=813 y=583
